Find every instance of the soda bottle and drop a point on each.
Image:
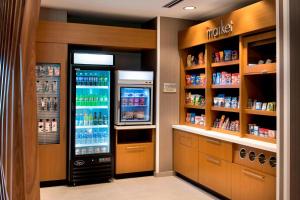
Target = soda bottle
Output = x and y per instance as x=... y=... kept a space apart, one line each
x=95 y=121
x=85 y=119
x=96 y=79
x=105 y=100
x=100 y=80
x=105 y=80
x=91 y=79
x=101 y=101
x=99 y=119
x=90 y=119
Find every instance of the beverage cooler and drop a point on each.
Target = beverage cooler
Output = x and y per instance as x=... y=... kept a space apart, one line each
x=90 y=117
x=134 y=97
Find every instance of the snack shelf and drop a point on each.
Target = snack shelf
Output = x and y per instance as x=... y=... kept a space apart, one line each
x=195 y=67
x=194 y=87
x=260 y=112
x=226 y=131
x=225 y=86
x=254 y=137
x=216 y=108
x=194 y=106
x=195 y=125
x=260 y=69
x=227 y=63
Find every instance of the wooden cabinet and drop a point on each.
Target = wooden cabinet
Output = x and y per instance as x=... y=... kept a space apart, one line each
x=216 y=148
x=186 y=154
x=134 y=150
x=215 y=174
x=137 y=157
x=249 y=184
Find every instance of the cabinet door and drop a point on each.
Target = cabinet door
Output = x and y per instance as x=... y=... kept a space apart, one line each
x=186 y=154
x=215 y=174
x=137 y=157
x=248 y=184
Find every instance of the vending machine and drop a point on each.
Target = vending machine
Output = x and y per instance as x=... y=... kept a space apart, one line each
x=134 y=97
x=90 y=117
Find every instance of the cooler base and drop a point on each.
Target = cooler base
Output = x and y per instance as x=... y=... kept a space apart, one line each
x=91 y=170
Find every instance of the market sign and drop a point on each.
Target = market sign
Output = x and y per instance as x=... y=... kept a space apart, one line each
x=223 y=29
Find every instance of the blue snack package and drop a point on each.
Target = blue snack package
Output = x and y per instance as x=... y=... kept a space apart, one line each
x=193 y=115
x=214 y=78
x=218 y=79
x=197 y=80
x=193 y=79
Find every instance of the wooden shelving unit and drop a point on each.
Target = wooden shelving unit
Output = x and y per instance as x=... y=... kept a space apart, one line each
x=195 y=87
x=256 y=82
x=225 y=86
x=227 y=63
x=195 y=107
x=260 y=112
x=235 y=110
x=195 y=67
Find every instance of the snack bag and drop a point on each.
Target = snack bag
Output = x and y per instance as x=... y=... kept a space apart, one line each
x=227 y=55
x=188 y=79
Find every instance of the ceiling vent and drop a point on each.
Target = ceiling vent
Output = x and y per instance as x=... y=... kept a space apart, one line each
x=172 y=3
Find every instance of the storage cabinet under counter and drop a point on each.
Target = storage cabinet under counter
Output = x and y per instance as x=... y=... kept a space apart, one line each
x=234 y=171
x=134 y=149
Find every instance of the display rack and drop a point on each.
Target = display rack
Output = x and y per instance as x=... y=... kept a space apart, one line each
x=256 y=66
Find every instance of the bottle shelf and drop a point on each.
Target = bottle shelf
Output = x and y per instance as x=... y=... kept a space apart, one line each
x=216 y=108
x=194 y=106
x=91 y=87
x=195 y=67
x=91 y=145
x=192 y=87
x=91 y=126
x=91 y=107
x=227 y=63
x=260 y=112
x=225 y=86
x=254 y=137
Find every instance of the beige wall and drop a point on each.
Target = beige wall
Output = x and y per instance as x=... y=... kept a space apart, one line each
x=169 y=73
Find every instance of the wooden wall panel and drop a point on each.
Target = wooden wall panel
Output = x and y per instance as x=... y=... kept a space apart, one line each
x=96 y=35
x=18 y=148
x=261 y=15
x=52 y=158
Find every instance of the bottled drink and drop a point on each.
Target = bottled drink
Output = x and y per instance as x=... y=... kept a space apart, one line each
x=85 y=139
x=91 y=100
x=105 y=100
x=99 y=119
x=105 y=81
x=50 y=71
x=100 y=80
x=104 y=120
x=56 y=71
x=101 y=100
x=48 y=104
x=55 y=103
x=85 y=119
x=90 y=119
x=46 y=86
x=54 y=86
x=80 y=119
x=91 y=79
x=96 y=79
x=43 y=104
x=47 y=126
x=95 y=121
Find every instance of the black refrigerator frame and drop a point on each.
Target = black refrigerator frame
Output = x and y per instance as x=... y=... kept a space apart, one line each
x=91 y=168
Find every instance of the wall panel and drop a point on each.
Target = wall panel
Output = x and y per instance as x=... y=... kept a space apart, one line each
x=18 y=150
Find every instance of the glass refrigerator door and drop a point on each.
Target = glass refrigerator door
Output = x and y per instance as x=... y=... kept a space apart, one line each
x=92 y=120
x=135 y=104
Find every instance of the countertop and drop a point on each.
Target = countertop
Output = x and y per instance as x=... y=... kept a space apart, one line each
x=229 y=138
x=135 y=127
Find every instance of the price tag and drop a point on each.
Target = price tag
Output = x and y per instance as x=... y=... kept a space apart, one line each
x=170 y=87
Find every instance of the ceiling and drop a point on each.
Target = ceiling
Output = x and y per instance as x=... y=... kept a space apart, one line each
x=142 y=10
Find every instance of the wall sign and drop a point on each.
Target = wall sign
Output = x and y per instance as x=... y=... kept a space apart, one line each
x=223 y=29
x=170 y=87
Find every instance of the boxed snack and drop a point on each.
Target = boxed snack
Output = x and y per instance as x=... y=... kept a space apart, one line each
x=234 y=55
x=227 y=102
x=234 y=102
x=227 y=55
x=271 y=106
x=272 y=134
x=188 y=98
x=217 y=57
x=258 y=105
x=193 y=79
x=188 y=118
x=202 y=79
x=235 y=80
x=193 y=115
x=214 y=78
x=264 y=106
x=198 y=120
x=228 y=78
x=188 y=79
x=221 y=121
x=197 y=80
x=218 y=79
x=201 y=58
x=221 y=53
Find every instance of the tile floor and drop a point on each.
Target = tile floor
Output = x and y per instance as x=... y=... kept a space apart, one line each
x=145 y=188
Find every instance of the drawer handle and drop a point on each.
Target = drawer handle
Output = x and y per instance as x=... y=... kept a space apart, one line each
x=140 y=148
x=216 y=142
x=213 y=161
x=254 y=175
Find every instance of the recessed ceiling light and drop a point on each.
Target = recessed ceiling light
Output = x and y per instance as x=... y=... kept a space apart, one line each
x=189 y=8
